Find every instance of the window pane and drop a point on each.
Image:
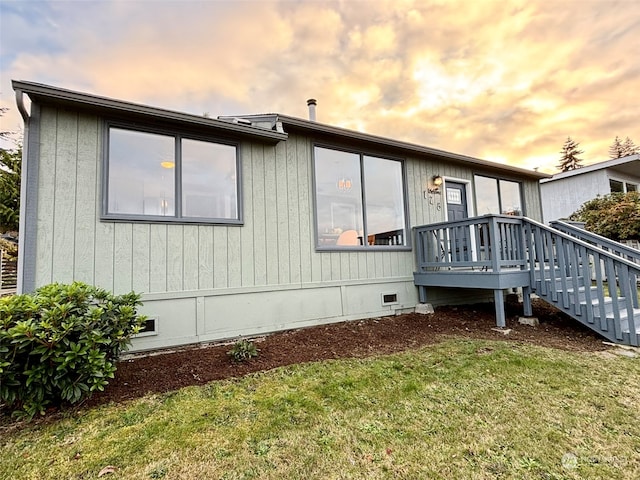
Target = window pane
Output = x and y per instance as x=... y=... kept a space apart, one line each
x=338 y=198
x=209 y=187
x=141 y=173
x=615 y=185
x=486 y=195
x=385 y=201
x=510 y=198
x=632 y=187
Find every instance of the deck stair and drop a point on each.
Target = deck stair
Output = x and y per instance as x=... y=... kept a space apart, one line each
x=591 y=278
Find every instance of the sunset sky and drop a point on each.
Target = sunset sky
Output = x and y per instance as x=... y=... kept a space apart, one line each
x=505 y=81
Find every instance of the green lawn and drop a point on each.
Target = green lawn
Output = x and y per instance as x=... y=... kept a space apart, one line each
x=458 y=410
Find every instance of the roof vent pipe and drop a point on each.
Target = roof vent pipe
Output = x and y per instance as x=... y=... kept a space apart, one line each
x=311 y=103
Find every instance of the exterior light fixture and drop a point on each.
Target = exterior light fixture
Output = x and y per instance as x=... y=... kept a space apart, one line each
x=436 y=183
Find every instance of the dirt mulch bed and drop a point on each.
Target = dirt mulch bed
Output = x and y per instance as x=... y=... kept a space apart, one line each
x=162 y=372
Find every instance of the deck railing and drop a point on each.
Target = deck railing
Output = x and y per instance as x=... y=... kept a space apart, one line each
x=586 y=280
x=490 y=243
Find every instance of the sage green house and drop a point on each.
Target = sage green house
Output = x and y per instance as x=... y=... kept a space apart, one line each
x=239 y=226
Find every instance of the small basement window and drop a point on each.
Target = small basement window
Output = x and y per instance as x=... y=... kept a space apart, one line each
x=389 y=298
x=149 y=328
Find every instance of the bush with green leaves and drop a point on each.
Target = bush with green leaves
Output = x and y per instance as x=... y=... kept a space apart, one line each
x=9 y=249
x=615 y=216
x=61 y=343
x=243 y=350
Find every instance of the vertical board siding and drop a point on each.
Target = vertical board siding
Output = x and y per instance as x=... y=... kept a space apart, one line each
x=141 y=261
x=86 y=198
x=259 y=213
x=190 y=260
x=175 y=255
x=220 y=258
x=46 y=196
x=275 y=246
x=65 y=197
x=157 y=258
x=271 y=215
x=205 y=258
x=246 y=232
x=282 y=214
x=293 y=215
x=123 y=258
x=234 y=257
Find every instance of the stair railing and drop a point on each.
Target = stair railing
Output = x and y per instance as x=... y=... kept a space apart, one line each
x=561 y=267
x=598 y=240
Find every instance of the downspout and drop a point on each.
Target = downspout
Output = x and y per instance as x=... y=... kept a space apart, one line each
x=23 y=190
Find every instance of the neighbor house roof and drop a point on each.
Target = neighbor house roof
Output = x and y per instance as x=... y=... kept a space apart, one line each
x=629 y=165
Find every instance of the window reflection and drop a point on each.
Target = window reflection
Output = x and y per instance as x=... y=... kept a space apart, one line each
x=343 y=180
x=497 y=196
x=208 y=180
x=138 y=181
x=142 y=172
x=338 y=195
x=487 y=200
x=510 y=200
x=384 y=201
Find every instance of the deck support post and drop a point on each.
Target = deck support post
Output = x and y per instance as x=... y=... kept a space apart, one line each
x=499 y=303
x=526 y=301
x=422 y=294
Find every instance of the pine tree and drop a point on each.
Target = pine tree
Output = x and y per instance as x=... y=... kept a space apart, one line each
x=10 y=167
x=616 y=150
x=629 y=148
x=569 y=159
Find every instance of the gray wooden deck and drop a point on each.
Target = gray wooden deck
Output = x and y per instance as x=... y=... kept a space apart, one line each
x=593 y=281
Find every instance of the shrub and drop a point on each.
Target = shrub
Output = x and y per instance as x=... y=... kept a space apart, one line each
x=243 y=350
x=9 y=249
x=615 y=216
x=60 y=344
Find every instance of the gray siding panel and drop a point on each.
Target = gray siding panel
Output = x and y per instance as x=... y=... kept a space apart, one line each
x=247 y=231
x=64 y=198
x=46 y=197
x=158 y=258
x=175 y=254
x=86 y=199
x=123 y=258
x=141 y=251
x=205 y=264
x=191 y=250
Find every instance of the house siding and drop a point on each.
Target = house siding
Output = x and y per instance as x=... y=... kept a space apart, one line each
x=562 y=197
x=211 y=282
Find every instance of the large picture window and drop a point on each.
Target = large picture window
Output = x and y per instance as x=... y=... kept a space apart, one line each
x=494 y=195
x=359 y=200
x=157 y=176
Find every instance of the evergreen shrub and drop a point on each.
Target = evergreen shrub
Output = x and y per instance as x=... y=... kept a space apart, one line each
x=61 y=343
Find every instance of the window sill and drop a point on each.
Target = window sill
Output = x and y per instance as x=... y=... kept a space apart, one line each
x=170 y=220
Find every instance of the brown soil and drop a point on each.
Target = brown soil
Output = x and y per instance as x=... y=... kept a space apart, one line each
x=162 y=372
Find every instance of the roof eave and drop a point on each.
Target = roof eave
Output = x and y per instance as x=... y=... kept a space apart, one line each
x=388 y=142
x=47 y=94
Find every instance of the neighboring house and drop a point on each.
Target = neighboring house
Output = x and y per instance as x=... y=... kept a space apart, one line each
x=239 y=225
x=564 y=193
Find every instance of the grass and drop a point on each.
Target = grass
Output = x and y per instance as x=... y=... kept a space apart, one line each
x=461 y=409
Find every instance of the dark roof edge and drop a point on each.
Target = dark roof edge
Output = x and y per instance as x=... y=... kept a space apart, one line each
x=37 y=91
x=343 y=132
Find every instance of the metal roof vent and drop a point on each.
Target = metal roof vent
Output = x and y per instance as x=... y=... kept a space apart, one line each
x=311 y=103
